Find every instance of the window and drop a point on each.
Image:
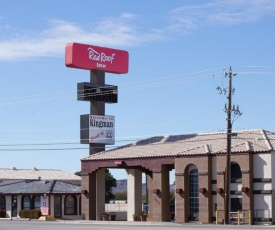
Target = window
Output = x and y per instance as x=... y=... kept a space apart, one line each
x=236 y=172
x=36 y=202
x=2 y=202
x=26 y=202
x=70 y=205
x=236 y=204
x=193 y=194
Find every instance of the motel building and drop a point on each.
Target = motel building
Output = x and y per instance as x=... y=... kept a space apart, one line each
x=199 y=162
x=53 y=192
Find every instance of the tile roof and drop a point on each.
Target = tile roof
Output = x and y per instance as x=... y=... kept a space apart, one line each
x=44 y=174
x=193 y=144
x=38 y=187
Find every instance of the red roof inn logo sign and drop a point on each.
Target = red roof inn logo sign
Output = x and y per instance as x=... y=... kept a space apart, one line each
x=96 y=58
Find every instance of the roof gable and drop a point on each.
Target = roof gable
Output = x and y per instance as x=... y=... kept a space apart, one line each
x=38 y=187
x=33 y=174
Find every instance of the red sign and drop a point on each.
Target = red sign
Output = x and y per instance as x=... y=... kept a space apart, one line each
x=96 y=58
x=44 y=211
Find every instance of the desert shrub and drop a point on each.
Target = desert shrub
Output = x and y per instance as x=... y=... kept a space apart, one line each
x=23 y=213
x=2 y=213
x=32 y=214
x=35 y=214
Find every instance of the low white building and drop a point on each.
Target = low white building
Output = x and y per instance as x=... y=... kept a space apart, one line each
x=54 y=192
x=35 y=173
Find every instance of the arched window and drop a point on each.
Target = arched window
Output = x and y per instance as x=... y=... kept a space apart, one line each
x=36 y=202
x=70 y=205
x=26 y=202
x=236 y=172
x=193 y=194
x=2 y=202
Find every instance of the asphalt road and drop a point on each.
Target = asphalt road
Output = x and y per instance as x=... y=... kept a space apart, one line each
x=83 y=225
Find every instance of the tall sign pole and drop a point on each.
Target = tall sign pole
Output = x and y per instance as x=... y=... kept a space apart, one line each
x=96 y=129
x=97 y=107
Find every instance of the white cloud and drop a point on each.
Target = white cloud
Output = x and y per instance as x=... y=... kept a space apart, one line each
x=125 y=30
x=220 y=12
x=113 y=32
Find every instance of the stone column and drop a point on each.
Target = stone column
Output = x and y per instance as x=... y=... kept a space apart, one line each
x=205 y=196
x=88 y=196
x=134 y=193
x=246 y=164
x=93 y=195
x=220 y=182
x=150 y=195
x=180 y=195
x=100 y=193
x=161 y=195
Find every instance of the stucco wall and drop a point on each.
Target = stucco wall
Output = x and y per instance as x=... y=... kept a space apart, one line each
x=262 y=165
x=8 y=206
x=263 y=171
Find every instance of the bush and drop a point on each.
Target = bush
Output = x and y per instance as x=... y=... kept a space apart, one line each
x=32 y=214
x=23 y=213
x=35 y=214
x=2 y=213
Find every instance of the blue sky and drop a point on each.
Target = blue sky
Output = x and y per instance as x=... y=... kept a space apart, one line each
x=178 y=53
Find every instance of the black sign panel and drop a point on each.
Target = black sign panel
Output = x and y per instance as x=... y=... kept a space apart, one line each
x=95 y=92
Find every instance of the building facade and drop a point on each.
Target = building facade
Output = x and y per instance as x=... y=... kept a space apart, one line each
x=36 y=189
x=199 y=162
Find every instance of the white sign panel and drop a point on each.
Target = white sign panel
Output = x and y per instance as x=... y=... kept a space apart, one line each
x=102 y=129
x=44 y=202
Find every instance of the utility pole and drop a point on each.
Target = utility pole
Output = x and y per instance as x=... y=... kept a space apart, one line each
x=228 y=154
x=229 y=109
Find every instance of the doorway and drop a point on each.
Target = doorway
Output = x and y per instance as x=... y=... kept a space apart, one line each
x=14 y=206
x=58 y=206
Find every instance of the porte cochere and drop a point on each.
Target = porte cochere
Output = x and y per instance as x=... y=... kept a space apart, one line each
x=199 y=162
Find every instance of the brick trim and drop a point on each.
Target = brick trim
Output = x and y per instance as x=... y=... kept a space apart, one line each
x=179 y=174
x=237 y=181
x=262 y=180
x=262 y=192
x=263 y=220
x=235 y=192
x=203 y=173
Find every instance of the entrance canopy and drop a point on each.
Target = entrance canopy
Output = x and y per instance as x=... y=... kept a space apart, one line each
x=167 y=148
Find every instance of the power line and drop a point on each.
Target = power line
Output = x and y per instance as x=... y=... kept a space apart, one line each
x=151 y=80
x=122 y=91
x=150 y=144
x=47 y=98
x=117 y=127
x=258 y=73
x=118 y=139
x=141 y=138
x=253 y=66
